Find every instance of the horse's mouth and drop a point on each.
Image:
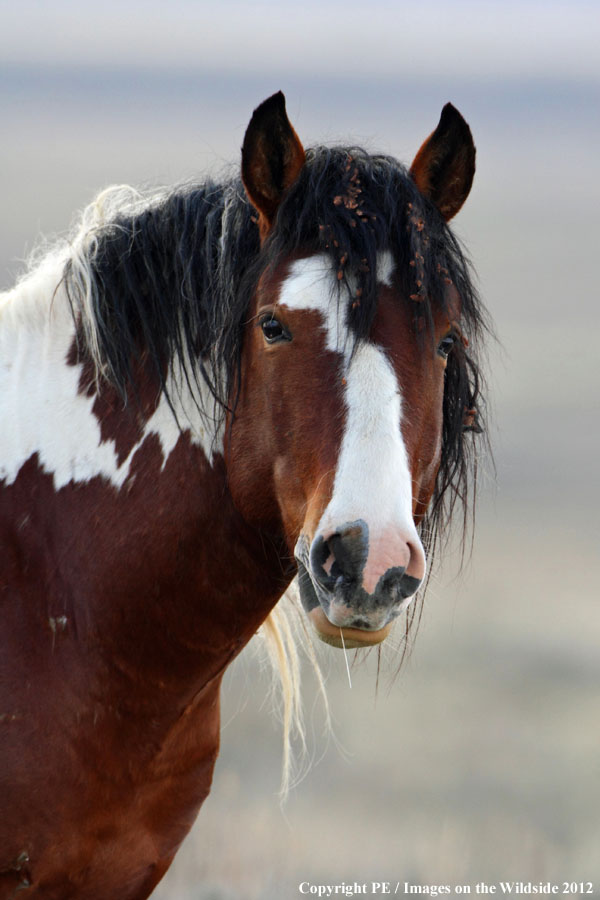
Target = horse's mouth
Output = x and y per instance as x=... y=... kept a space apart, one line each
x=337 y=636
x=345 y=637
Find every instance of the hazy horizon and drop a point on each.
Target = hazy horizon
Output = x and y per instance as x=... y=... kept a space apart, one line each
x=515 y=38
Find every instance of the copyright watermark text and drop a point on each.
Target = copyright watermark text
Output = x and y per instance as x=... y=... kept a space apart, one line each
x=358 y=888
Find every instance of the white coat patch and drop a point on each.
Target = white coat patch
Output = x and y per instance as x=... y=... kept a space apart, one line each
x=41 y=409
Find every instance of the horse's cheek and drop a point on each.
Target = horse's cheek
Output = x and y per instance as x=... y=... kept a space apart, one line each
x=425 y=452
x=249 y=452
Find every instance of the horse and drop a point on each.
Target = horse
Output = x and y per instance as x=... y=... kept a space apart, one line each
x=204 y=392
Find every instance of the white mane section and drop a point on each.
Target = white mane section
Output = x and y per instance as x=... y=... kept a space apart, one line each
x=39 y=390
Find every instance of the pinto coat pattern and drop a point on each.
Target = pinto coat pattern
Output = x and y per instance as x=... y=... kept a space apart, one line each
x=204 y=393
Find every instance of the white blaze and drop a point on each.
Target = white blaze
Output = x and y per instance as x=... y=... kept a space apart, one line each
x=373 y=480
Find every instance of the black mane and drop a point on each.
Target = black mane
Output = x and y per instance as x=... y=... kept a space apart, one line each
x=172 y=280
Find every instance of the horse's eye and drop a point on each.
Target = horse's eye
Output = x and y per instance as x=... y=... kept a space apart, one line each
x=446 y=345
x=273 y=330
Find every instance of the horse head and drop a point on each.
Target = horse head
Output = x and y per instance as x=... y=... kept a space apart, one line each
x=349 y=372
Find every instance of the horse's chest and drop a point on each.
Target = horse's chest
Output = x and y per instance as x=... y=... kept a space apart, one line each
x=121 y=849
x=102 y=825
x=99 y=862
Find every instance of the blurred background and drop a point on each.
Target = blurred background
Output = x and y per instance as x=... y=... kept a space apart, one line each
x=481 y=760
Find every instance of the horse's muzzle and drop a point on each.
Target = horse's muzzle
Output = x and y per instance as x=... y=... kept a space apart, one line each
x=348 y=586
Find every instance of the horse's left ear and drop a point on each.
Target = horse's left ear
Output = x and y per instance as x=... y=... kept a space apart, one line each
x=272 y=157
x=443 y=168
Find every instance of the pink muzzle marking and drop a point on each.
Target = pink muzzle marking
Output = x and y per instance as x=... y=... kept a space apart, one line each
x=390 y=550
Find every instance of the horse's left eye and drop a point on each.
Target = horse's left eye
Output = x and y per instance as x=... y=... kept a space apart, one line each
x=273 y=330
x=446 y=345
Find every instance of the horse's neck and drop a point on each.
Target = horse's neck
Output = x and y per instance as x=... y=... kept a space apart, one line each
x=119 y=521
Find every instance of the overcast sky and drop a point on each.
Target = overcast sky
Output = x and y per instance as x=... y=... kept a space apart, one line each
x=486 y=38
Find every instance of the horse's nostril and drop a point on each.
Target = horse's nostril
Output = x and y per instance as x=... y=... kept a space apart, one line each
x=336 y=570
x=319 y=554
x=349 y=547
x=323 y=564
x=340 y=556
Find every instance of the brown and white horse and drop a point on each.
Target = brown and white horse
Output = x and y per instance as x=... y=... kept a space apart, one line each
x=202 y=394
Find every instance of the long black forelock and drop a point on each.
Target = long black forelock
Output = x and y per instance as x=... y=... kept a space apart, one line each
x=353 y=205
x=173 y=282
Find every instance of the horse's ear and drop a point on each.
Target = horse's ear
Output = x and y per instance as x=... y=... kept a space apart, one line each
x=443 y=168
x=272 y=157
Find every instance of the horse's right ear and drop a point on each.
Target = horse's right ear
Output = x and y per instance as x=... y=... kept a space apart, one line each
x=443 y=168
x=272 y=157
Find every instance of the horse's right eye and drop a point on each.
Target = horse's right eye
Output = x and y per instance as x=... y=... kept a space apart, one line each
x=273 y=330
